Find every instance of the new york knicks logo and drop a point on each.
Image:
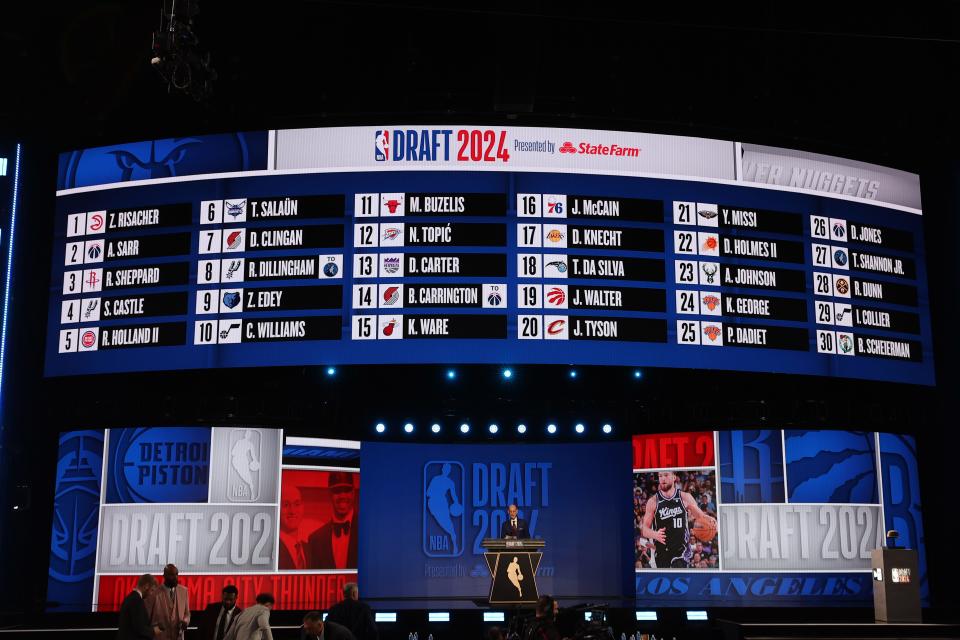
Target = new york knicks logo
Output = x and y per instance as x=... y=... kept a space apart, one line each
x=381 y=150
x=443 y=517
x=243 y=482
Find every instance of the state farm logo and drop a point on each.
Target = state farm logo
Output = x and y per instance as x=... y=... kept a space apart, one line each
x=588 y=149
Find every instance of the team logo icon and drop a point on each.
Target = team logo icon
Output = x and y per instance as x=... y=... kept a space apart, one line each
x=92 y=280
x=443 y=512
x=235 y=208
x=94 y=250
x=232 y=269
x=709 y=270
x=556 y=296
x=88 y=339
x=711 y=302
x=96 y=222
x=494 y=299
x=843 y=286
x=391 y=265
x=839 y=230
x=555 y=235
x=840 y=257
x=91 y=307
x=231 y=299
x=559 y=265
x=391 y=233
x=712 y=332
x=845 y=342
x=225 y=333
x=392 y=204
x=707 y=214
x=710 y=244
x=75 y=506
x=243 y=481
x=391 y=295
x=567 y=147
x=556 y=327
x=389 y=327
x=381 y=145
x=234 y=239
x=331 y=269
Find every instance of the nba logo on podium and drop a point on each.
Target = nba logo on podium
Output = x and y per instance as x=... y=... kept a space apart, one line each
x=443 y=499
x=243 y=481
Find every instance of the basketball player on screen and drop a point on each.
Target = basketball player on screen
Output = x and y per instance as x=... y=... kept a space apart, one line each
x=666 y=521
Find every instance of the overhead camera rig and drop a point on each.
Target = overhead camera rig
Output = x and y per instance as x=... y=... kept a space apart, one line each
x=176 y=51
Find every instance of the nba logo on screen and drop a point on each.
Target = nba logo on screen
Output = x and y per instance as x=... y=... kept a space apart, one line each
x=443 y=499
x=381 y=145
x=243 y=482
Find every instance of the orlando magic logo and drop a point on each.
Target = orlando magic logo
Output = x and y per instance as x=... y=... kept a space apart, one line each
x=443 y=495
x=76 y=505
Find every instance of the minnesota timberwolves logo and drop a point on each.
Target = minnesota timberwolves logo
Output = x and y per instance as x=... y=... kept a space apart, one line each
x=443 y=495
x=76 y=504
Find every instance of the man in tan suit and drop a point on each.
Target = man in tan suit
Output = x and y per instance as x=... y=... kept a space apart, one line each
x=168 y=606
x=254 y=622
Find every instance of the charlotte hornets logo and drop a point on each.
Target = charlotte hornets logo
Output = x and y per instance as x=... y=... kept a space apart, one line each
x=136 y=168
x=76 y=505
x=443 y=496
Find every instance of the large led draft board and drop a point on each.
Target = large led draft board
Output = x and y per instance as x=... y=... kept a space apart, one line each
x=446 y=244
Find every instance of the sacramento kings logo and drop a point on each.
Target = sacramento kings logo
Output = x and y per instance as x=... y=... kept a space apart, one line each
x=391 y=265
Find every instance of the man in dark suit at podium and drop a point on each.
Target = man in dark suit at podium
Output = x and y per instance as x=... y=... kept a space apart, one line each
x=515 y=526
x=134 y=623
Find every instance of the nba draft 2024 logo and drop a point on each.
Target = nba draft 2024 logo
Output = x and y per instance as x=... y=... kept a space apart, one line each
x=76 y=505
x=246 y=451
x=443 y=511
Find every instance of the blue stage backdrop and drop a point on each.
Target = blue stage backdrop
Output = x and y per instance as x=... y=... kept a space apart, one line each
x=426 y=509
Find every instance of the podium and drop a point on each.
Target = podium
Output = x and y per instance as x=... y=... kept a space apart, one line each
x=513 y=568
x=896 y=585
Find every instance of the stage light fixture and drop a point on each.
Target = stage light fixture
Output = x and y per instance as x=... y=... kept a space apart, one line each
x=408 y=427
x=551 y=429
x=646 y=616
x=494 y=428
x=435 y=428
x=696 y=616
x=493 y=616
x=384 y=616
x=451 y=374
x=521 y=428
x=573 y=373
x=607 y=429
x=637 y=374
x=331 y=371
x=579 y=428
x=381 y=427
x=438 y=616
x=508 y=373
x=464 y=428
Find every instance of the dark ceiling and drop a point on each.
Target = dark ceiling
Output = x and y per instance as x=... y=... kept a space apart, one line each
x=854 y=78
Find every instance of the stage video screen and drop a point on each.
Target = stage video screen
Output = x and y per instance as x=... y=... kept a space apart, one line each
x=713 y=518
x=770 y=517
x=226 y=505
x=374 y=245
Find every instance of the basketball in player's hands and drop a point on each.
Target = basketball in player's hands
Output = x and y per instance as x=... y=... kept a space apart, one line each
x=704 y=529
